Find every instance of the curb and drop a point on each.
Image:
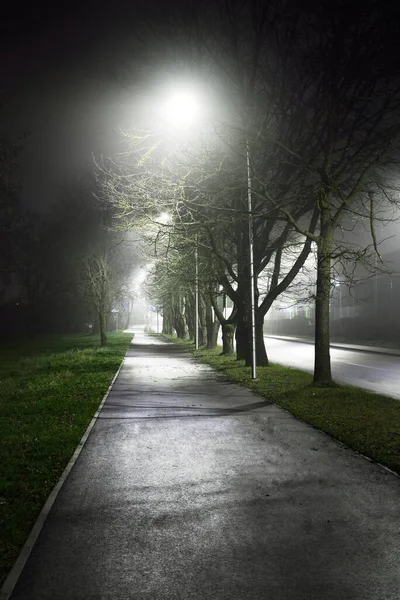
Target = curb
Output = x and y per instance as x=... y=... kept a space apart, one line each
x=12 y=578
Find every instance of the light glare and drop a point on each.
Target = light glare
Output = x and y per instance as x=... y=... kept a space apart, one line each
x=163 y=218
x=182 y=107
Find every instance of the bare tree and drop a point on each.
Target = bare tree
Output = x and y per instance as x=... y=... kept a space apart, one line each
x=350 y=93
x=105 y=275
x=96 y=284
x=311 y=95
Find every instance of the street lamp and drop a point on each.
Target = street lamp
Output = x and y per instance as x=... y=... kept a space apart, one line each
x=251 y=266
x=183 y=107
x=196 y=333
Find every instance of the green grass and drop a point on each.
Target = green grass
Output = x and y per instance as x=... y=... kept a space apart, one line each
x=50 y=389
x=366 y=422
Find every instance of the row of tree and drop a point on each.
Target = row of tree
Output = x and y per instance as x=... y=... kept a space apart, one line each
x=311 y=94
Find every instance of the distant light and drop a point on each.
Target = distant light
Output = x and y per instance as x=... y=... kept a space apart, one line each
x=163 y=218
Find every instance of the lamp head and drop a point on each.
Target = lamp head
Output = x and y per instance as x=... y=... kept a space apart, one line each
x=182 y=106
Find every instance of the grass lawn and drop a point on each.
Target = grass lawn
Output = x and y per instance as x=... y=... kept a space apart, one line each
x=50 y=389
x=366 y=422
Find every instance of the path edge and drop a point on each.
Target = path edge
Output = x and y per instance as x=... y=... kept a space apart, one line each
x=12 y=578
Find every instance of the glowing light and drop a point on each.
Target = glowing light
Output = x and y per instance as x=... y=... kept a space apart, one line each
x=163 y=218
x=182 y=106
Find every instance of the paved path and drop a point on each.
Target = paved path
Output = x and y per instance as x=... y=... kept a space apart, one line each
x=193 y=488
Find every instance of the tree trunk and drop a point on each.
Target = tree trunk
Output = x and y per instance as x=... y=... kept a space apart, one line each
x=180 y=326
x=178 y=317
x=212 y=324
x=202 y=335
x=228 y=333
x=212 y=335
x=228 y=327
x=102 y=327
x=322 y=359
x=202 y=323
x=261 y=353
x=190 y=317
x=242 y=339
x=167 y=328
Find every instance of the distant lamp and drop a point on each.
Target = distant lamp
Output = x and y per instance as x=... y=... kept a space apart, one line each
x=163 y=218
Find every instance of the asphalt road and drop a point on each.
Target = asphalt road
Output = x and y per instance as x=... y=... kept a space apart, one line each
x=192 y=488
x=367 y=370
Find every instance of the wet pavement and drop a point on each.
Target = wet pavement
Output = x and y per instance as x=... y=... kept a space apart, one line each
x=191 y=487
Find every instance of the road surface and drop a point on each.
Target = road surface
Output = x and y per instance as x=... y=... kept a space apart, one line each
x=367 y=370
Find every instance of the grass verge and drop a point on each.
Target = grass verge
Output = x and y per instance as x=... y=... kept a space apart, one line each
x=366 y=422
x=50 y=389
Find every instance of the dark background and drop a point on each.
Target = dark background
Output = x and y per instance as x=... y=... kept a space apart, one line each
x=70 y=73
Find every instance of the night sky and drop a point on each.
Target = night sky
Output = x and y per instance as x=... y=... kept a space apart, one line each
x=71 y=76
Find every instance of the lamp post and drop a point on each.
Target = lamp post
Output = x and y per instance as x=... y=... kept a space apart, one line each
x=251 y=267
x=196 y=333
